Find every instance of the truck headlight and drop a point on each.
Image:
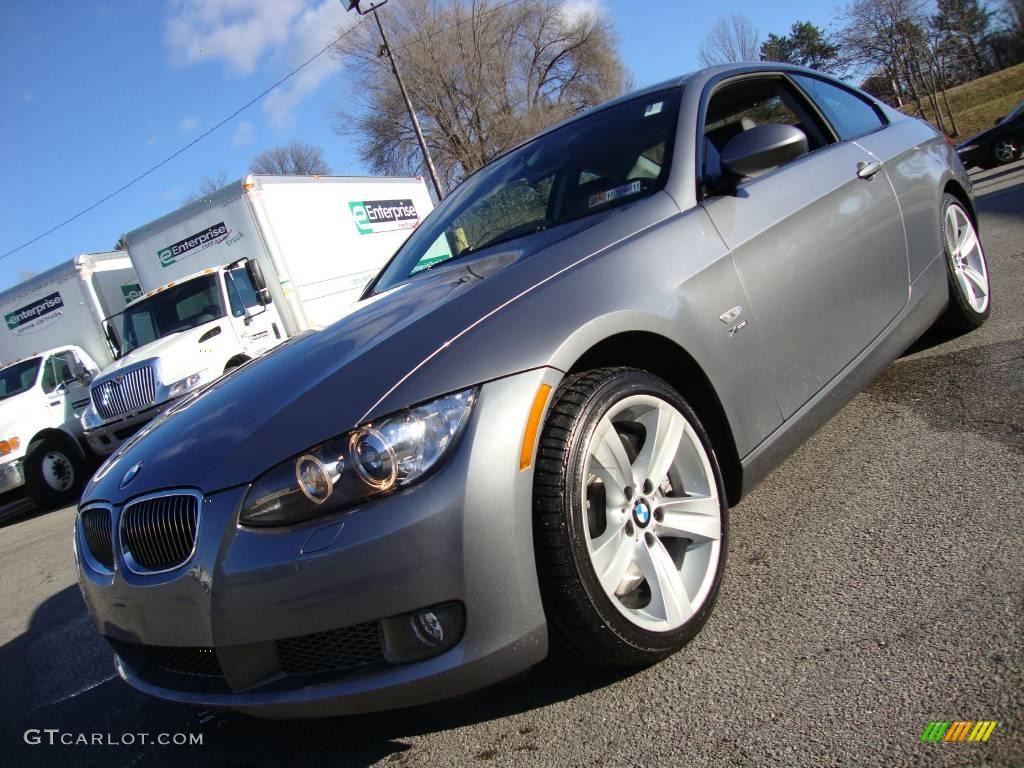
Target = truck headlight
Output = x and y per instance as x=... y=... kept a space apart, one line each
x=91 y=418
x=371 y=460
x=182 y=386
x=9 y=445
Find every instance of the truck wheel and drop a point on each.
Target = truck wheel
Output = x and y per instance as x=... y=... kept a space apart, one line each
x=53 y=473
x=630 y=519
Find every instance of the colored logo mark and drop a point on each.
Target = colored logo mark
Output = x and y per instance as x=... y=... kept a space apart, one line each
x=959 y=730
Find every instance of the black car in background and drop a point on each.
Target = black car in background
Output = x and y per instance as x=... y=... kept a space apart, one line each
x=1002 y=143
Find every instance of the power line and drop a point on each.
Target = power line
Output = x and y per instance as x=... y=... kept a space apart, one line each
x=197 y=139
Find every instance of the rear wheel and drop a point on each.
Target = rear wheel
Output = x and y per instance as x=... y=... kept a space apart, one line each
x=966 y=268
x=630 y=519
x=53 y=473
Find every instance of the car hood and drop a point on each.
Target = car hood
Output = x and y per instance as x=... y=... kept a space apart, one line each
x=313 y=388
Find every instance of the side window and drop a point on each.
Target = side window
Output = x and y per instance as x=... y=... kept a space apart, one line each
x=49 y=380
x=849 y=114
x=241 y=293
x=740 y=106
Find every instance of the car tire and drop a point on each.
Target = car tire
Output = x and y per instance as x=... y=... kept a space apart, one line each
x=53 y=473
x=1006 y=149
x=970 y=290
x=641 y=617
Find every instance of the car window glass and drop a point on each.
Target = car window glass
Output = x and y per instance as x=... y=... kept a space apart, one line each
x=740 y=106
x=49 y=380
x=850 y=115
x=241 y=293
x=612 y=157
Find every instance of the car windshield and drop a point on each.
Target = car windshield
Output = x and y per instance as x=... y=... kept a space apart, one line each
x=19 y=377
x=609 y=158
x=173 y=310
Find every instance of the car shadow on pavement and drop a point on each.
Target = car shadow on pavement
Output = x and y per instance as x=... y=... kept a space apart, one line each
x=59 y=674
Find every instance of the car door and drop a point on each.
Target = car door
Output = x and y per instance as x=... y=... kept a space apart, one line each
x=818 y=243
x=66 y=395
x=260 y=328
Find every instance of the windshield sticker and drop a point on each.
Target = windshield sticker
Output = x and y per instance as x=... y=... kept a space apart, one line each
x=373 y=216
x=603 y=197
x=197 y=242
x=35 y=314
x=131 y=292
x=653 y=109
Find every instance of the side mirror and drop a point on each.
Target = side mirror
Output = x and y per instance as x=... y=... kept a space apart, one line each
x=259 y=283
x=762 y=147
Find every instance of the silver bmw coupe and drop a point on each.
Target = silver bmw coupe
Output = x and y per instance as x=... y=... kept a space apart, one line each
x=527 y=437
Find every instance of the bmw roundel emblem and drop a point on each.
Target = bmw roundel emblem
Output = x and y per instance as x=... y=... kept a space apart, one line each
x=642 y=513
x=131 y=474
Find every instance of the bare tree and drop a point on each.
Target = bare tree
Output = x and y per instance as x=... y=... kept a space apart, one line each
x=122 y=243
x=731 y=38
x=207 y=186
x=482 y=75
x=295 y=159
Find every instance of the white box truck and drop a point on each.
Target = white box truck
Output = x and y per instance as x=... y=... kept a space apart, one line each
x=230 y=276
x=52 y=343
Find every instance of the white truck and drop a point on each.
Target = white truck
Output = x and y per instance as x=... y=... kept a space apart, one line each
x=51 y=345
x=229 y=277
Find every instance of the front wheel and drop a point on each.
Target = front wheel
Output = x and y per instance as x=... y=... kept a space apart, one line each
x=630 y=519
x=53 y=473
x=966 y=269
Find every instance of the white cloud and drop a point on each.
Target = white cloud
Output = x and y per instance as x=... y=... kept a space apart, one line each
x=574 y=9
x=245 y=33
x=152 y=140
x=188 y=124
x=311 y=31
x=244 y=134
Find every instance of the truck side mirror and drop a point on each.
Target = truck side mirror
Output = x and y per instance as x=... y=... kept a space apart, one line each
x=259 y=284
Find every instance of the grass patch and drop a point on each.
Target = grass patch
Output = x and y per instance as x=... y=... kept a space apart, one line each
x=977 y=104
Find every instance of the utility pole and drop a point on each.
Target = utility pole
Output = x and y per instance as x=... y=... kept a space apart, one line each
x=386 y=49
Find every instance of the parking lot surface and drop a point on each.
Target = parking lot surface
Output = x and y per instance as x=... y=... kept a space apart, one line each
x=875 y=583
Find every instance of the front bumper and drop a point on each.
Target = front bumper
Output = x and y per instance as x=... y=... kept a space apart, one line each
x=462 y=536
x=107 y=438
x=12 y=475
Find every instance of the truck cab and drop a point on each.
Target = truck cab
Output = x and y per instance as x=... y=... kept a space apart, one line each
x=174 y=339
x=42 y=398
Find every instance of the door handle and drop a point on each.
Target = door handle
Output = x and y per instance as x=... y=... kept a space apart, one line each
x=56 y=402
x=867 y=170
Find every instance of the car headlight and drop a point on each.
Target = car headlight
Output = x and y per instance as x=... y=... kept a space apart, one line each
x=184 y=385
x=9 y=445
x=371 y=460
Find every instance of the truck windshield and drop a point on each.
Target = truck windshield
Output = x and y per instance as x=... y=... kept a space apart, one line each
x=19 y=377
x=173 y=310
x=609 y=158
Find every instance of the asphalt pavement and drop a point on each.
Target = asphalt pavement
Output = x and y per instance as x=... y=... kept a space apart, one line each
x=875 y=583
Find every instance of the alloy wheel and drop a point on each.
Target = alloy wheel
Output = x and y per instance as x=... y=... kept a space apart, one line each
x=652 y=513
x=966 y=258
x=1006 y=150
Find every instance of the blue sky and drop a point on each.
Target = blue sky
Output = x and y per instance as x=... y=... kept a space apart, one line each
x=94 y=93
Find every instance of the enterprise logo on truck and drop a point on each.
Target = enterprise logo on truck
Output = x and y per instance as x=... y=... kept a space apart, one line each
x=34 y=311
x=372 y=216
x=196 y=242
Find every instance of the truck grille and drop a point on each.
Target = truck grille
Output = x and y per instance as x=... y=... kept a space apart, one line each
x=159 y=533
x=345 y=649
x=126 y=392
x=96 y=528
